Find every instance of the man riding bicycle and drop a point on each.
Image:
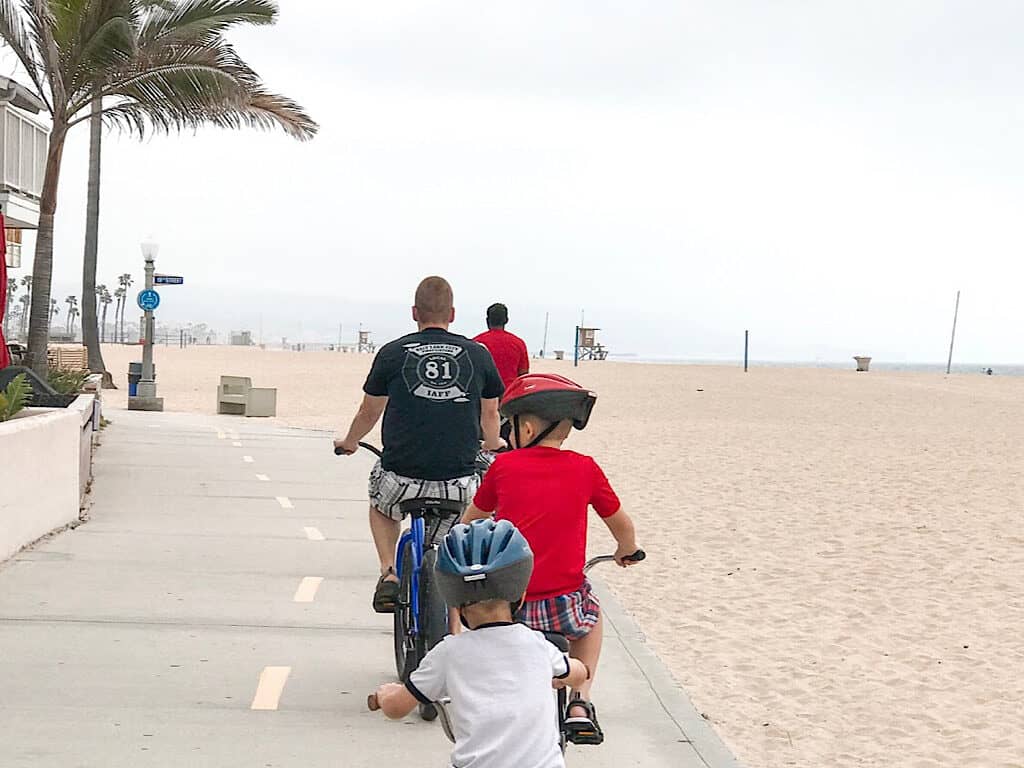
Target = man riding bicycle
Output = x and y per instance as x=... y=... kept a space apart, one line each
x=438 y=393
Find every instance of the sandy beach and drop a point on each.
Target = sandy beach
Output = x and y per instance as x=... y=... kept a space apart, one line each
x=836 y=560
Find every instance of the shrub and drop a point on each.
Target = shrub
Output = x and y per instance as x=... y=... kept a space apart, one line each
x=14 y=398
x=66 y=382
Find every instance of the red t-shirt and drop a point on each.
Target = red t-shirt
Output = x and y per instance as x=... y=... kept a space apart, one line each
x=509 y=353
x=545 y=492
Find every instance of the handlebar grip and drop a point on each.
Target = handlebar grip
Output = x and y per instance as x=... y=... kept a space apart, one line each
x=371 y=448
x=371 y=702
x=637 y=556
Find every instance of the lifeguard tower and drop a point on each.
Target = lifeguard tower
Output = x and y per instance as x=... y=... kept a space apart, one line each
x=365 y=345
x=587 y=346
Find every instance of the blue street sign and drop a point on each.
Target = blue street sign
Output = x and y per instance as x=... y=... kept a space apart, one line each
x=168 y=280
x=149 y=300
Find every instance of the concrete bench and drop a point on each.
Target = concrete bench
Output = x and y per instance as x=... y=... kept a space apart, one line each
x=236 y=395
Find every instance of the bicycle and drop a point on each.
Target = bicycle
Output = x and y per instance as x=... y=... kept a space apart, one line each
x=421 y=617
x=562 y=695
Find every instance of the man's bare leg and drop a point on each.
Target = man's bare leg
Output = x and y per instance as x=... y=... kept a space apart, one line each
x=385 y=533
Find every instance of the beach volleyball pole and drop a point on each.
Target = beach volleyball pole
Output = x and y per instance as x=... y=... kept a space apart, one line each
x=952 y=338
x=746 y=349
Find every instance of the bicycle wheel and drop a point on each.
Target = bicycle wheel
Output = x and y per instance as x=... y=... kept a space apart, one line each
x=562 y=712
x=406 y=659
x=433 y=619
x=433 y=611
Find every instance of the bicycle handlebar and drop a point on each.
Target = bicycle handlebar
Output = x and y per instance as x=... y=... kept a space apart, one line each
x=636 y=557
x=367 y=446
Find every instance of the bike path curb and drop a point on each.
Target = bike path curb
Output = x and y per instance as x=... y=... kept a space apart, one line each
x=695 y=730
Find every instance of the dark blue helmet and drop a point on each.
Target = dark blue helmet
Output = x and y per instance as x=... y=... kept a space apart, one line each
x=485 y=560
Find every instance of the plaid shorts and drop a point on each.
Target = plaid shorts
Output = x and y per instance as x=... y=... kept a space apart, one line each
x=572 y=615
x=388 y=490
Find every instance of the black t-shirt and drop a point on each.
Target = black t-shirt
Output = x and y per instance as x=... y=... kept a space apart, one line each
x=434 y=381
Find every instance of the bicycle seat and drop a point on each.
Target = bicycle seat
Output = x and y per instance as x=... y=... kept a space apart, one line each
x=431 y=507
x=558 y=640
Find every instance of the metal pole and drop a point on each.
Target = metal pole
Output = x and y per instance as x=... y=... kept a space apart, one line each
x=576 y=349
x=746 y=349
x=147 y=387
x=544 y=346
x=952 y=338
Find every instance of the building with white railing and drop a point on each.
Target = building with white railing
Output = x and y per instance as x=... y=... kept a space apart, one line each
x=23 y=146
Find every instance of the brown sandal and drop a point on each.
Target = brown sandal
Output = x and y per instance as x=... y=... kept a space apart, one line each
x=385 y=596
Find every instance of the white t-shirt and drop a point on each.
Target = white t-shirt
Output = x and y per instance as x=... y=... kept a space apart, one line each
x=498 y=677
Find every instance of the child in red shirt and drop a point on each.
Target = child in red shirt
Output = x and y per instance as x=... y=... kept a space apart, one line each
x=545 y=492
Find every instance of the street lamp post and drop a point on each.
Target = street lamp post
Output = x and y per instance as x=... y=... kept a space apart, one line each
x=146 y=399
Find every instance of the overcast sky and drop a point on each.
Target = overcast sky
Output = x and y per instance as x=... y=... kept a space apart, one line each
x=826 y=174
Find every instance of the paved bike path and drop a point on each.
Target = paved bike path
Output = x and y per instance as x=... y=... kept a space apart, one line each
x=222 y=551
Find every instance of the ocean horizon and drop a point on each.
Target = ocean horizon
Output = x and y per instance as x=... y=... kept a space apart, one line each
x=998 y=369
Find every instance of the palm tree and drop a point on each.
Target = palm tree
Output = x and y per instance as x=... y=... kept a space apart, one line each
x=152 y=65
x=291 y=119
x=12 y=288
x=54 y=311
x=125 y=281
x=106 y=300
x=120 y=294
x=25 y=302
x=72 y=302
x=73 y=312
x=26 y=281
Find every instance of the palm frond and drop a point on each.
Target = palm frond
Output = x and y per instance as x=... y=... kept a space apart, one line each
x=112 y=43
x=179 y=86
x=41 y=25
x=197 y=20
x=17 y=38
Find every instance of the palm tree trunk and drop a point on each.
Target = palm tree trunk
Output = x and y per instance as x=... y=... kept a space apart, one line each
x=42 y=269
x=103 y=325
x=90 y=328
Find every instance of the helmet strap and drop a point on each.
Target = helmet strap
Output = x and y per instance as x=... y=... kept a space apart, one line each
x=544 y=433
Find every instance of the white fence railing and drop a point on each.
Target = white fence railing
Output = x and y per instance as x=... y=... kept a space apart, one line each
x=23 y=154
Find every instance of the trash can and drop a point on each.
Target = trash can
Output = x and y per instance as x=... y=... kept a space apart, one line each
x=134 y=377
x=863 y=363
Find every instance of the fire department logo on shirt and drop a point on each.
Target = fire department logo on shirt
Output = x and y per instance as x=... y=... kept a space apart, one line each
x=438 y=372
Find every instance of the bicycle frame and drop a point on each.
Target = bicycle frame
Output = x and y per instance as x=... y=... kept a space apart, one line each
x=416 y=534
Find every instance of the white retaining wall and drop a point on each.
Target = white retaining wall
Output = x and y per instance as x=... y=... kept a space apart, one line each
x=45 y=463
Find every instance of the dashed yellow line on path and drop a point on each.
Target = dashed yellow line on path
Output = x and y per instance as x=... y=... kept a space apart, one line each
x=237 y=444
x=247 y=459
x=270 y=688
x=263 y=478
x=306 y=592
x=313 y=534
x=285 y=502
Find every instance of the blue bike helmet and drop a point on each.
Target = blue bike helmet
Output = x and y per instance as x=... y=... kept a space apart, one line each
x=485 y=560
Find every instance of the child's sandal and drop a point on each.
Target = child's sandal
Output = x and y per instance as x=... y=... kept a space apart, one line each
x=583 y=730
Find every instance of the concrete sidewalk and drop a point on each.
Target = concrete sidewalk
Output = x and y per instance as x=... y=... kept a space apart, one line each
x=140 y=638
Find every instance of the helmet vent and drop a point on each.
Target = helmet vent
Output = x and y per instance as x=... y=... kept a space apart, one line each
x=475 y=577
